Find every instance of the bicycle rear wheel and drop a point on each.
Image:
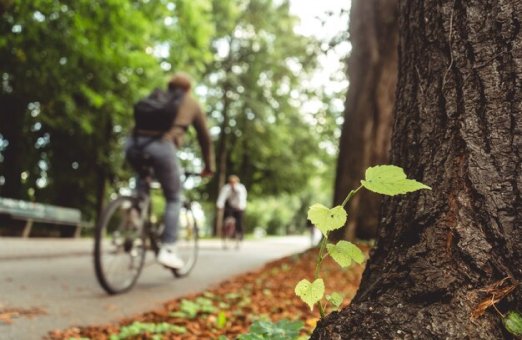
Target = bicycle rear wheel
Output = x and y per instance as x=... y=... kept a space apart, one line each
x=230 y=235
x=119 y=246
x=187 y=243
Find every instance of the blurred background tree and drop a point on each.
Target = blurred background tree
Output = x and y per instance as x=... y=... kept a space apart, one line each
x=368 y=113
x=259 y=83
x=71 y=71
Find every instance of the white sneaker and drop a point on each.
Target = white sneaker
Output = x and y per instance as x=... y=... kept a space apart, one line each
x=167 y=256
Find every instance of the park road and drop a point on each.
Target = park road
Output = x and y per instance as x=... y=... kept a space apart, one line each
x=57 y=276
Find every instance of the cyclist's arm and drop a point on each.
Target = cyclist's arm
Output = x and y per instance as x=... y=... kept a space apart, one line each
x=204 y=140
x=243 y=198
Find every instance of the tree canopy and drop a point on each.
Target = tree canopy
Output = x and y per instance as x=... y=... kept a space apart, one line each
x=71 y=71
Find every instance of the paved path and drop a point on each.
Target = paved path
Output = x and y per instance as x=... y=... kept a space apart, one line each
x=58 y=276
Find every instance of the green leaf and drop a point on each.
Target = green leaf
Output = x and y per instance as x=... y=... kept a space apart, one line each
x=205 y=305
x=336 y=299
x=513 y=323
x=290 y=329
x=390 y=180
x=250 y=336
x=190 y=308
x=177 y=329
x=209 y=295
x=221 y=320
x=327 y=219
x=178 y=314
x=310 y=293
x=283 y=329
x=344 y=252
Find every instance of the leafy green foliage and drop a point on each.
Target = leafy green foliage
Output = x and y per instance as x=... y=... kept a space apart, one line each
x=282 y=330
x=309 y=292
x=390 y=180
x=71 y=71
x=153 y=329
x=327 y=219
x=344 y=252
x=258 y=83
x=513 y=323
x=190 y=309
x=268 y=330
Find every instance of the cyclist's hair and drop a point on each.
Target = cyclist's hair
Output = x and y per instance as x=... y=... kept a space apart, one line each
x=233 y=177
x=180 y=80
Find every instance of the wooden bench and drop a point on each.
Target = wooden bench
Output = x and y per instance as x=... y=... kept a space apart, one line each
x=41 y=213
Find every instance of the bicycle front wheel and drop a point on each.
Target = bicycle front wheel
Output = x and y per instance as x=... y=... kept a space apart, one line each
x=119 y=246
x=187 y=243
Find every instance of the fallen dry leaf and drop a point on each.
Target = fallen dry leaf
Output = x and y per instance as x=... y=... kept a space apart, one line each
x=7 y=314
x=497 y=291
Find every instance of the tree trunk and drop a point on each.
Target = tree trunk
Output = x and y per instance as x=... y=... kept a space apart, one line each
x=4 y=6
x=366 y=133
x=222 y=160
x=458 y=128
x=101 y=191
x=13 y=119
x=223 y=147
x=102 y=169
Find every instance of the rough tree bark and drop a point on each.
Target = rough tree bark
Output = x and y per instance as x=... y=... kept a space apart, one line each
x=366 y=133
x=458 y=128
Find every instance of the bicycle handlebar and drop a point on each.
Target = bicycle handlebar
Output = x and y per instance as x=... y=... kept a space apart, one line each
x=154 y=184
x=191 y=173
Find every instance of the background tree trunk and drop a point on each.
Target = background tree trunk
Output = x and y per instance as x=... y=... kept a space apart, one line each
x=12 y=129
x=458 y=128
x=4 y=5
x=366 y=133
x=222 y=155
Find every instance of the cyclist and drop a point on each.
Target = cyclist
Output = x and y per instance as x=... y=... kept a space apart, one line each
x=160 y=148
x=233 y=198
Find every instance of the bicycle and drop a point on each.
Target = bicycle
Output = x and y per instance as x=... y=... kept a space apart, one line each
x=126 y=231
x=230 y=234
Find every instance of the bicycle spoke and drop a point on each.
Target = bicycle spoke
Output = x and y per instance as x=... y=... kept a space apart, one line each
x=187 y=244
x=119 y=254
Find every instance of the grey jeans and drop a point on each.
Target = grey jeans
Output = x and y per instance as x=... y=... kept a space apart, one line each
x=167 y=172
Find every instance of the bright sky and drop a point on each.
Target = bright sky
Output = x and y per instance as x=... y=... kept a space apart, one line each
x=333 y=64
x=308 y=11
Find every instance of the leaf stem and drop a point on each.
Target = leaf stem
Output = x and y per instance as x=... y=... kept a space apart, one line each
x=318 y=266
x=321 y=310
x=320 y=257
x=326 y=304
x=350 y=195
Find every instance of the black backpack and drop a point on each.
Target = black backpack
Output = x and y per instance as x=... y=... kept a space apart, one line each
x=158 y=110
